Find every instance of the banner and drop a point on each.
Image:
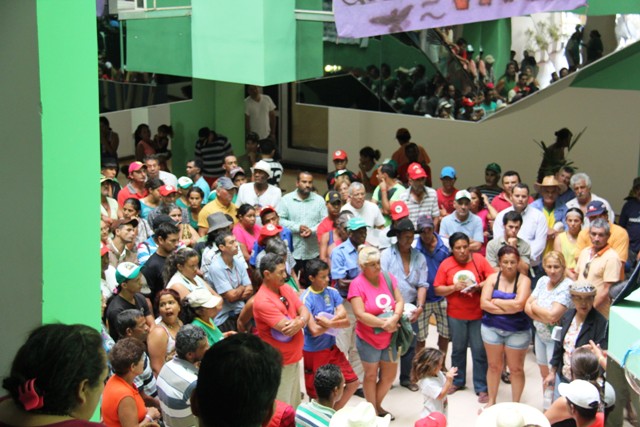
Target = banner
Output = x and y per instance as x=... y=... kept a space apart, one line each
x=366 y=18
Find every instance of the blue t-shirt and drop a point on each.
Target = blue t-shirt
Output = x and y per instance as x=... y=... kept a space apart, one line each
x=440 y=253
x=326 y=301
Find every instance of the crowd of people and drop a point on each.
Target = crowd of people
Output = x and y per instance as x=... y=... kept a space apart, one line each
x=203 y=277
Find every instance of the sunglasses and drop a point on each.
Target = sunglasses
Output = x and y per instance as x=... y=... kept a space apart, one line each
x=585 y=273
x=285 y=302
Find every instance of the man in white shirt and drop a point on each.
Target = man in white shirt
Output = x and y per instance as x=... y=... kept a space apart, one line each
x=259 y=193
x=362 y=208
x=260 y=113
x=153 y=171
x=581 y=185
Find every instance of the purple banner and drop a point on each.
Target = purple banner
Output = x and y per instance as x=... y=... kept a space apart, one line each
x=365 y=18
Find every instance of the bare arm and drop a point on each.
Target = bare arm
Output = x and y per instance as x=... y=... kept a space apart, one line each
x=245 y=316
x=128 y=414
x=157 y=348
x=558 y=411
x=486 y=302
x=367 y=318
x=522 y=294
x=324 y=248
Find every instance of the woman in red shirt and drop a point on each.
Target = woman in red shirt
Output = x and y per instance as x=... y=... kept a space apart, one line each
x=459 y=278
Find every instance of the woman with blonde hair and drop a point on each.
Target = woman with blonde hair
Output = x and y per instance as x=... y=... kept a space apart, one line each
x=546 y=306
x=567 y=242
x=341 y=185
x=378 y=306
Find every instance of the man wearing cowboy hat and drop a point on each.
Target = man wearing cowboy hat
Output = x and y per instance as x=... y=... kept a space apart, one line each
x=599 y=264
x=551 y=207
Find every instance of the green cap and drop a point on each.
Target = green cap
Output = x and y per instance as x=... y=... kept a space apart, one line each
x=494 y=167
x=356 y=223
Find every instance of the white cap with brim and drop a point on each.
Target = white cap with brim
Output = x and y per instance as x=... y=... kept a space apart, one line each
x=263 y=166
x=127 y=271
x=203 y=298
x=581 y=393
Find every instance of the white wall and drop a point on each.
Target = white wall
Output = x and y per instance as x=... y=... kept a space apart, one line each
x=125 y=123
x=609 y=150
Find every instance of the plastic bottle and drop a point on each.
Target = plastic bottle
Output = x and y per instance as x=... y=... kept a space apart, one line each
x=547 y=398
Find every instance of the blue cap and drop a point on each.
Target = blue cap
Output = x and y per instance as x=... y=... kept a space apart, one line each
x=448 y=172
x=356 y=223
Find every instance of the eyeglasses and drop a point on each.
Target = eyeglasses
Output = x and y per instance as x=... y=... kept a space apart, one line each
x=285 y=302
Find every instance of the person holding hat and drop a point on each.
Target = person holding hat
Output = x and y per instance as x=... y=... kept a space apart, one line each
x=128 y=296
x=491 y=179
x=124 y=236
x=327 y=235
x=387 y=191
x=630 y=220
x=108 y=205
x=135 y=188
x=618 y=238
x=340 y=161
x=368 y=168
x=600 y=264
x=225 y=191
x=259 y=193
x=420 y=199
x=552 y=208
x=579 y=326
x=462 y=220
x=409 y=268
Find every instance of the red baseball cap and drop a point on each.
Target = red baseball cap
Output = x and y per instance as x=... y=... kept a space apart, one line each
x=136 y=166
x=268 y=230
x=267 y=209
x=415 y=171
x=399 y=210
x=434 y=419
x=339 y=155
x=165 y=190
x=103 y=249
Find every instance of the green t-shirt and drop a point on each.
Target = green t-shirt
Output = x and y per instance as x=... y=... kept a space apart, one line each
x=397 y=189
x=213 y=333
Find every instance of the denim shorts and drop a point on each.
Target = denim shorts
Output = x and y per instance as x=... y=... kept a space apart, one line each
x=516 y=340
x=370 y=354
x=544 y=350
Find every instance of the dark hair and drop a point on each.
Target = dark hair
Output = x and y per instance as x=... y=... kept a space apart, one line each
x=303 y=173
x=269 y=263
x=426 y=363
x=168 y=129
x=563 y=133
x=153 y=183
x=575 y=210
x=164 y=229
x=58 y=357
x=585 y=366
x=458 y=235
x=221 y=239
x=160 y=294
x=204 y=132
x=252 y=136
x=370 y=153
x=165 y=209
x=127 y=319
x=137 y=135
x=195 y=189
x=521 y=186
x=315 y=266
x=389 y=169
x=135 y=203
x=568 y=169
x=508 y=250
x=511 y=173
x=403 y=135
x=197 y=162
x=512 y=216
x=478 y=193
x=586 y=413
x=188 y=340
x=267 y=146
x=125 y=353
x=244 y=209
x=326 y=379
x=250 y=370
x=104 y=120
x=179 y=257
x=148 y=157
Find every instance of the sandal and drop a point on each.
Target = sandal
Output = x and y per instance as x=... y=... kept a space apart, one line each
x=506 y=377
x=483 y=397
x=454 y=388
x=411 y=386
x=385 y=413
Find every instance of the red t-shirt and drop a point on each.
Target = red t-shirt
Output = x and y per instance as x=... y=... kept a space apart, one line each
x=325 y=226
x=463 y=306
x=128 y=193
x=268 y=310
x=445 y=201
x=501 y=203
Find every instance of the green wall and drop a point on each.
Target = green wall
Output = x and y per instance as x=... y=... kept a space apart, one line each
x=494 y=37
x=616 y=71
x=70 y=162
x=217 y=105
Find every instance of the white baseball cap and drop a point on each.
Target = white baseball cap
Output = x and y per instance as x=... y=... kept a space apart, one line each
x=581 y=393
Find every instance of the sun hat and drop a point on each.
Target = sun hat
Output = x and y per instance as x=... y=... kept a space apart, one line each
x=582 y=287
x=216 y=221
x=361 y=415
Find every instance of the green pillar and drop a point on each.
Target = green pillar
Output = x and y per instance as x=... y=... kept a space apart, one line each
x=495 y=39
x=217 y=105
x=67 y=47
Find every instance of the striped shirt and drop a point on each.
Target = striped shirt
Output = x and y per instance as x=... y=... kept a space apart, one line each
x=428 y=205
x=176 y=382
x=295 y=212
x=313 y=414
x=212 y=155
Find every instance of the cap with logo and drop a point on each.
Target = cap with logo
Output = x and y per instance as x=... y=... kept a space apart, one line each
x=463 y=194
x=596 y=207
x=416 y=171
x=185 y=182
x=448 y=172
x=398 y=210
x=356 y=223
x=339 y=155
x=333 y=197
x=167 y=190
x=127 y=271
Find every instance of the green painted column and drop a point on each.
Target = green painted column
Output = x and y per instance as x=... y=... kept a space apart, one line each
x=217 y=105
x=67 y=47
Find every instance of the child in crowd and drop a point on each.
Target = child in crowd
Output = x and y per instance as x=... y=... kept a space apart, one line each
x=340 y=161
x=434 y=384
x=327 y=314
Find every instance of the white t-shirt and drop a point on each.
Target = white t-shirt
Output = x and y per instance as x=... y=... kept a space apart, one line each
x=247 y=194
x=258 y=112
x=369 y=212
x=113 y=207
x=110 y=284
x=431 y=387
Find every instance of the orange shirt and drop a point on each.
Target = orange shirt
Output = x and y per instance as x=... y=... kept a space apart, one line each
x=401 y=158
x=115 y=390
